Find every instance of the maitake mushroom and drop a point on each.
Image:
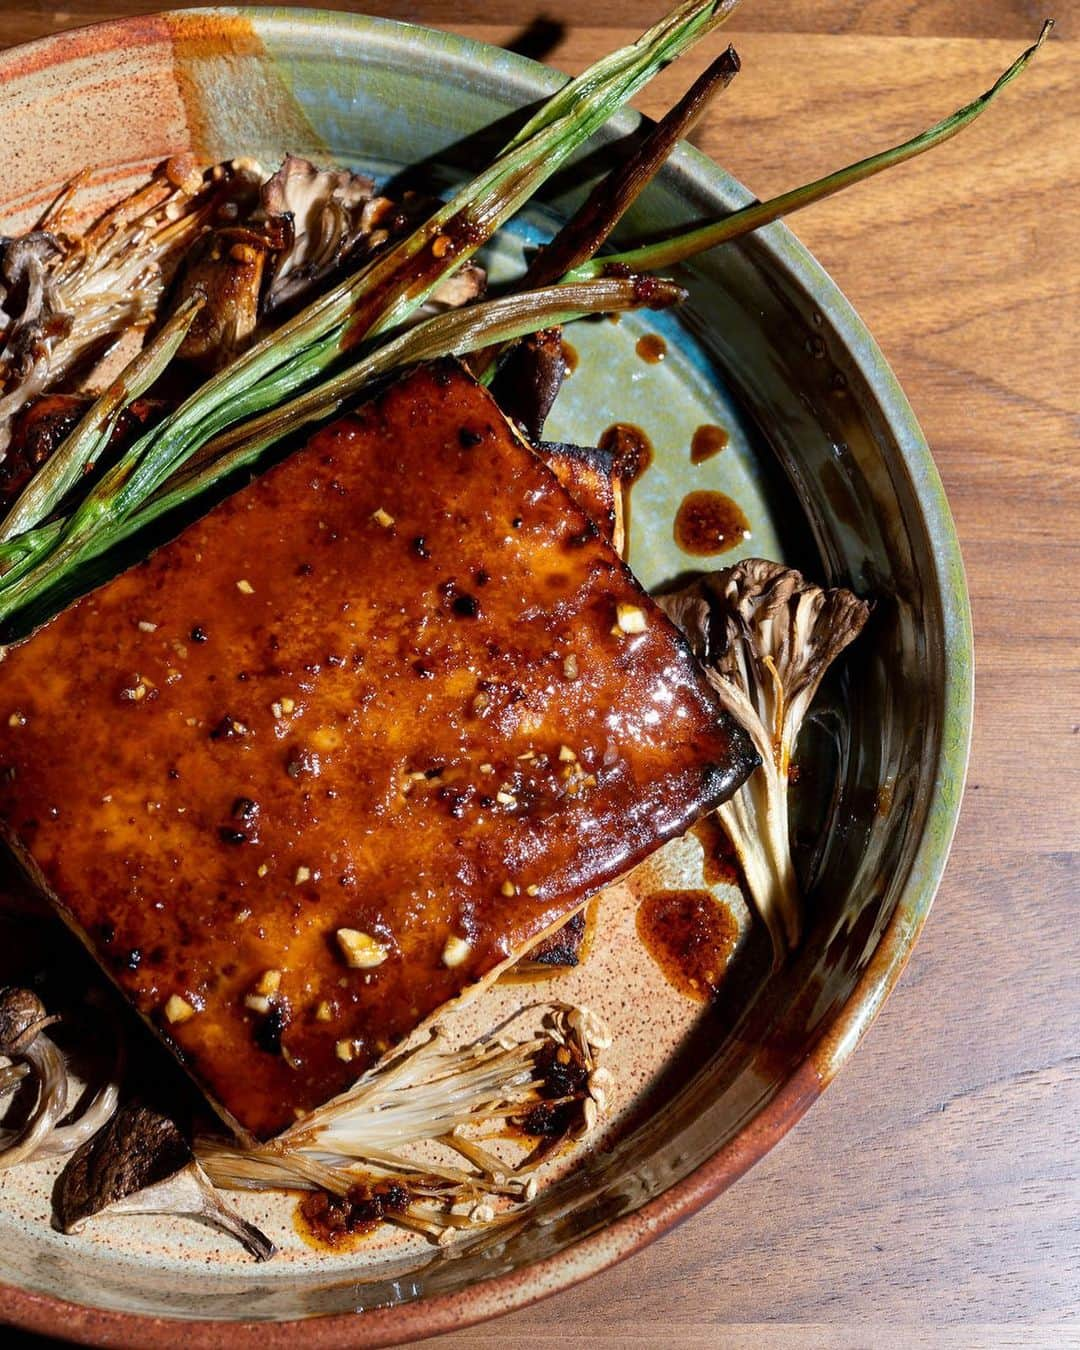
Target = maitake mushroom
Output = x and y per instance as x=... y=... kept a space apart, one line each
x=31 y=1053
x=328 y=212
x=305 y=229
x=333 y=216
x=65 y=296
x=766 y=636
x=141 y=1163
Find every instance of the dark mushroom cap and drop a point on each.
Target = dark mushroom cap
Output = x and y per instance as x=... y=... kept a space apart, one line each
x=21 y=1012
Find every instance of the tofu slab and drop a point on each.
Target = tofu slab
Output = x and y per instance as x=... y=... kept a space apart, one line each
x=588 y=474
x=349 y=744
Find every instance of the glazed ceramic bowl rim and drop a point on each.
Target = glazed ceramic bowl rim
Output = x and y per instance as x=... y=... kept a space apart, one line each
x=628 y=1234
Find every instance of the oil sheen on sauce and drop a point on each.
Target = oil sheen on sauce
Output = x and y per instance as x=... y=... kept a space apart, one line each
x=709 y=523
x=690 y=935
x=652 y=348
x=632 y=449
x=707 y=440
x=339 y=1223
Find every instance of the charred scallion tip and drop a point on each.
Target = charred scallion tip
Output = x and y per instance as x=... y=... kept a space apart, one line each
x=141 y=1163
x=679 y=247
x=433 y=1095
x=610 y=200
x=766 y=636
x=605 y=206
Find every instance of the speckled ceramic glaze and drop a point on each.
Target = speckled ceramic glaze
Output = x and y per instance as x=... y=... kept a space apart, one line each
x=829 y=466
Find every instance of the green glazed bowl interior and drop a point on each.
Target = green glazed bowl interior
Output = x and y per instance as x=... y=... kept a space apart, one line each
x=827 y=460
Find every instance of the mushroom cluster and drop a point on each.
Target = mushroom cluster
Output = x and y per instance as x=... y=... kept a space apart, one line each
x=66 y=296
x=32 y=1054
x=548 y=1084
x=766 y=637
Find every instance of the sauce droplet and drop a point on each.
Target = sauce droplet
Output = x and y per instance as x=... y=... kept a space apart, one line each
x=651 y=348
x=707 y=441
x=570 y=356
x=709 y=522
x=632 y=450
x=690 y=935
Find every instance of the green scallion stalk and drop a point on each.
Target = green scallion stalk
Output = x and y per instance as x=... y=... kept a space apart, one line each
x=451 y=334
x=677 y=248
x=375 y=301
x=80 y=450
x=588 y=229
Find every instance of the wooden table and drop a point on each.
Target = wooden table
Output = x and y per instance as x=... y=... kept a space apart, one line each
x=933 y=1196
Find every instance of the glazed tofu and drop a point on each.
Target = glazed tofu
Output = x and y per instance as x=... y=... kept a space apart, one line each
x=588 y=474
x=349 y=744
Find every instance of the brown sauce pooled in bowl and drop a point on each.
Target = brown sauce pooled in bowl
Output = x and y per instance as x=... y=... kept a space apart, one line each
x=707 y=440
x=719 y=866
x=708 y=523
x=632 y=449
x=340 y=1222
x=690 y=936
x=652 y=348
x=570 y=356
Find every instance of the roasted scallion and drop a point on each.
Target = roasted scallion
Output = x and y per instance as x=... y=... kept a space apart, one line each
x=354 y=333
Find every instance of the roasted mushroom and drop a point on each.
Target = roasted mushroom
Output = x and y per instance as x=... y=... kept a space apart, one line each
x=333 y=215
x=529 y=381
x=23 y=1020
x=64 y=297
x=549 y=1082
x=766 y=636
x=328 y=212
x=141 y=1163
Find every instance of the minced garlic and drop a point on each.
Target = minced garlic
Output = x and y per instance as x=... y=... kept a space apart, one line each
x=178 y=1009
x=630 y=618
x=455 y=951
x=360 y=950
x=269 y=982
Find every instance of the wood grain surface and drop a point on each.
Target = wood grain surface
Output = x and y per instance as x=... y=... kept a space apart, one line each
x=933 y=1197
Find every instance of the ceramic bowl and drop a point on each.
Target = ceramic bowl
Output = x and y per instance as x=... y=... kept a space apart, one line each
x=828 y=463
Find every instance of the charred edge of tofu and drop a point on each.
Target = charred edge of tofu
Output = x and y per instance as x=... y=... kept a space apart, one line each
x=588 y=475
x=559 y=951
